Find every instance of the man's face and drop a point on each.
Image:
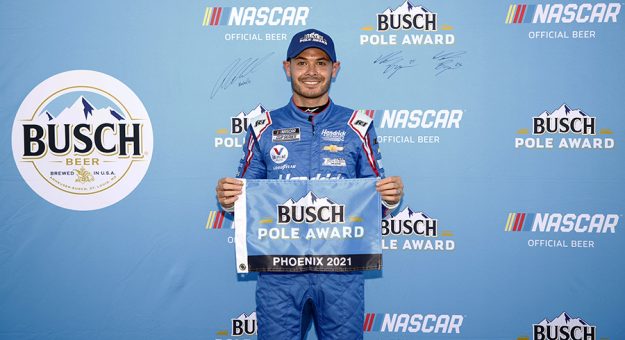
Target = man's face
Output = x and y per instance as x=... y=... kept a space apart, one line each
x=311 y=73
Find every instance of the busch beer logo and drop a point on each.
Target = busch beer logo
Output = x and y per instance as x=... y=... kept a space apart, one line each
x=407 y=17
x=310 y=209
x=255 y=16
x=564 y=120
x=564 y=328
x=564 y=128
x=238 y=128
x=563 y=13
x=422 y=228
x=244 y=325
x=408 y=222
x=82 y=140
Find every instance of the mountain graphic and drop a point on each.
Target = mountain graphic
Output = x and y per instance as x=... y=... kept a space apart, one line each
x=47 y=114
x=563 y=320
x=407 y=8
x=562 y=112
x=243 y=316
x=310 y=199
x=258 y=110
x=408 y=214
x=82 y=110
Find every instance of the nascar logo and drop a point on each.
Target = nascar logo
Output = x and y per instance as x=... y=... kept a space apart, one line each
x=215 y=220
x=556 y=222
x=253 y=16
x=413 y=323
x=560 y=13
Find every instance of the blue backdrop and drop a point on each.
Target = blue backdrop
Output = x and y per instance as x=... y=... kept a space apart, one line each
x=527 y=232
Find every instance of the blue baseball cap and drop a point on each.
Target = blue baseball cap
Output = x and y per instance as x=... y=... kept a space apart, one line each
x=308 y=39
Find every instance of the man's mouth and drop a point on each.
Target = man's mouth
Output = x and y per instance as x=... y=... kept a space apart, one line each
x=311 y=81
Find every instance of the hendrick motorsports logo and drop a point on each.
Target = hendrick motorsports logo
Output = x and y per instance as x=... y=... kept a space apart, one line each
x=564 y=128
x=580 y=15
x=255 y=17
x=554 y=224
x=564 y=327
x=409 y=230
x=237 y=130
x=82 y=140
x=407 y=19
x=415 y=126
x=413 y=323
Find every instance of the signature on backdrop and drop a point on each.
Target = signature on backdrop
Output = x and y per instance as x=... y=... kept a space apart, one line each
x=395 y=61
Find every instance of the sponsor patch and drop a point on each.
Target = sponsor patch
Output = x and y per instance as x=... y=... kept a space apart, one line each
x=333 y=135
x=334 y=162
x=279 y=154
x=286 y=135
x=333 y=148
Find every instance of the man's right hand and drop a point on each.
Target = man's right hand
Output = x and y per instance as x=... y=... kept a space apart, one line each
x=228 y=191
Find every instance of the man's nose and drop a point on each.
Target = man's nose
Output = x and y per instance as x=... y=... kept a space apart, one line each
x=312 y=69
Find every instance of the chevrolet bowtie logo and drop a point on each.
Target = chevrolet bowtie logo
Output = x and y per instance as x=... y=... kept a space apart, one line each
x=333 y=148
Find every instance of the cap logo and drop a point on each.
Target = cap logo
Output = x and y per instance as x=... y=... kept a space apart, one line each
x=316 y=37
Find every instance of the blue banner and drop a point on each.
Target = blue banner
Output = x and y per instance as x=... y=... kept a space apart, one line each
x=294 y=226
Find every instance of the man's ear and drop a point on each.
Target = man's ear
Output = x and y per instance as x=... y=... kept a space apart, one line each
x=335 y=68
x=287 y=68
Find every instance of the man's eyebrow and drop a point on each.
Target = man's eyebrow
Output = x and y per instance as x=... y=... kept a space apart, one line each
x=321 y=58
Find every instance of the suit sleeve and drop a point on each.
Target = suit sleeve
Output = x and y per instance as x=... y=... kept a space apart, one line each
x=370 y=158
x=251 y=165
x=370 y=164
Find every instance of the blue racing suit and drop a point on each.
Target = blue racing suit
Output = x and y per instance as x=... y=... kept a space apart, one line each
x=289 y=143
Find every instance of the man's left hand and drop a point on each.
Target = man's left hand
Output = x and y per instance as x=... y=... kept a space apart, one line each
x=391 y=189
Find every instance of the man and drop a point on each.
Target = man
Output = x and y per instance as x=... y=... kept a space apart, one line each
x=310 y=138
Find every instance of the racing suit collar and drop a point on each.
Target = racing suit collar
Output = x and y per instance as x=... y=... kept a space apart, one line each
x=301 y=115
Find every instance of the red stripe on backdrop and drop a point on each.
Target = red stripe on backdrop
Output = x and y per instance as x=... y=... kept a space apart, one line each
x=516 y=221
x=219 y=16
x=522 y=14
x=214 y=15
x=371 y=322
x=516 y=14
x=522 y=221
x=220 y=219
x=364 y=326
